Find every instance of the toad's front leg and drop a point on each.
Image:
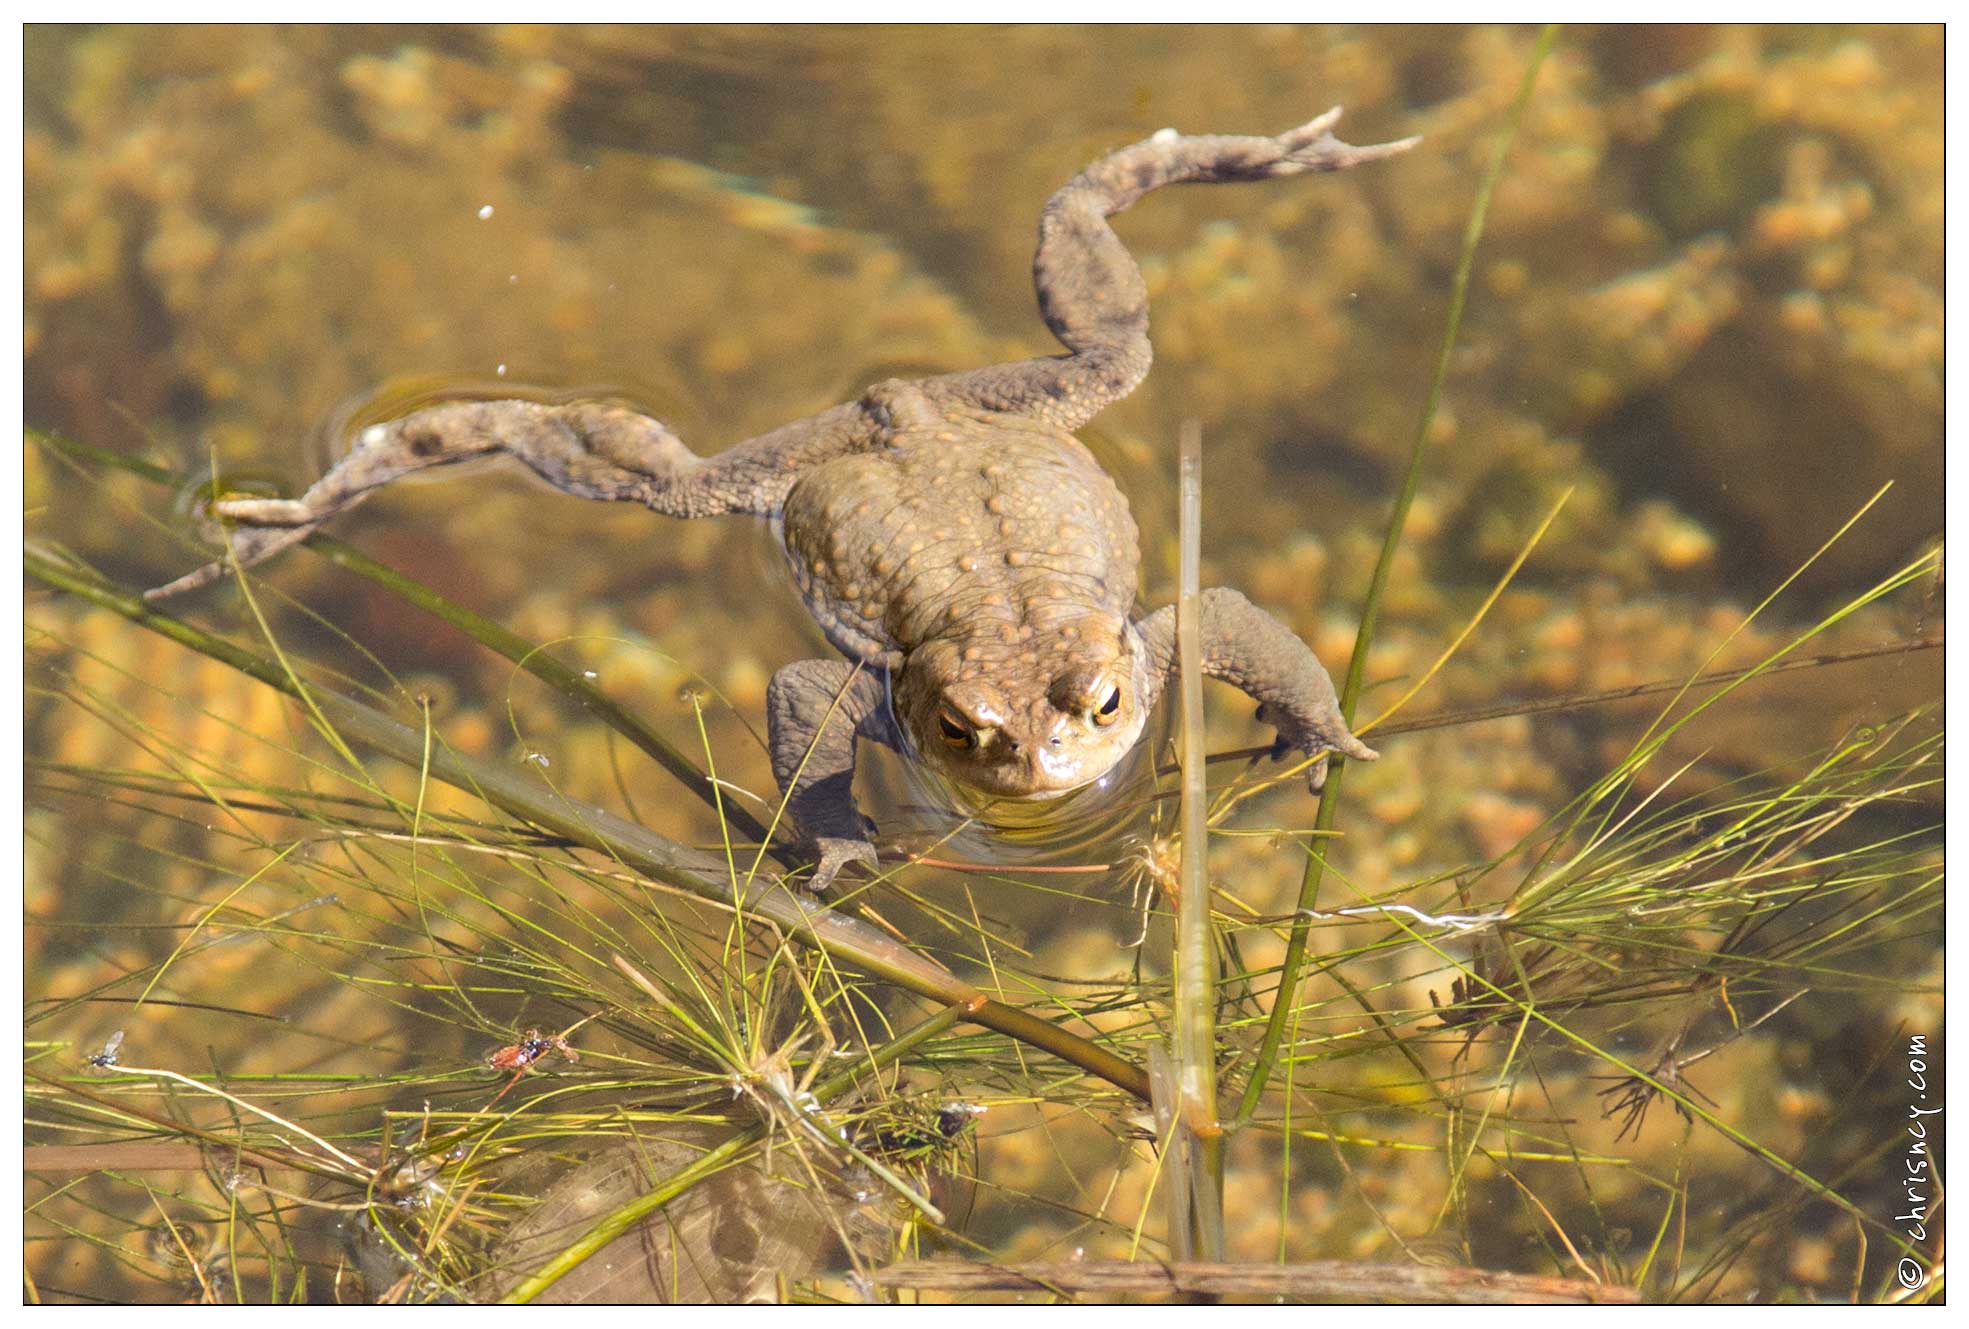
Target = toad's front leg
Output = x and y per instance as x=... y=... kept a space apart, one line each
x=815 y=710
x=1248 y=648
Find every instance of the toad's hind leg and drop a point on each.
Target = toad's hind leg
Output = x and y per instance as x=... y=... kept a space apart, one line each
x=1091 y=292
x=592 y=450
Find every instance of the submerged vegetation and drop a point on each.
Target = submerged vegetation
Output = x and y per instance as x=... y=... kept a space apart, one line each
x=805 y=1124
x=308 y=1023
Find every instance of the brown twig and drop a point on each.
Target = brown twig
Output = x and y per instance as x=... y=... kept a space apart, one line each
x=1343 y=1280
x=1578 y=701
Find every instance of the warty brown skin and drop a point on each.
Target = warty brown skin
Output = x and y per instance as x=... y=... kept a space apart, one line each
x=988 y=566
x=963 y=551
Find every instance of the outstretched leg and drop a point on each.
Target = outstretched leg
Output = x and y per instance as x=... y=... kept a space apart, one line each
x=591 y=450
x=1090 y=290
x=1254 y=652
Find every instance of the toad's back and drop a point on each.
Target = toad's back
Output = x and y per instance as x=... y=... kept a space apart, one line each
x=977 y=529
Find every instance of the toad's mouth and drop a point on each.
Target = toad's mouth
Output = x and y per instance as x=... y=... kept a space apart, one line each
x=1038 y=778
x=1041 y=795
x=1017 y=785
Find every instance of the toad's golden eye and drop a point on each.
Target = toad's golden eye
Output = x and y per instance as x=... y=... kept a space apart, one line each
x=956 y=733
x=1110 y=708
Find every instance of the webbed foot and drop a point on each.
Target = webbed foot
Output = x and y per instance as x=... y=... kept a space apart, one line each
x=268 y=526
x=1313 y=731
x=1312 y=147
x=835 y=854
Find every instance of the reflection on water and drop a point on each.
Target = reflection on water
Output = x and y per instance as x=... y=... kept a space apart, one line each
x=1708 y=302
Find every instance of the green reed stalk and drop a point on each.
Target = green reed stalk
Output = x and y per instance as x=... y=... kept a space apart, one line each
x=1199 y=1232
x=1295 y=951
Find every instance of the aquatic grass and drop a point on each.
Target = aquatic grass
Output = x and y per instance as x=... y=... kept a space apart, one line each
x=1350 y=688
x=538 y=1099
x=536 y=1118
x=625 y=1218
x=1285 y=994
x=588 y=826
x=1698 y=885
x=534 y=969
x=1890 y=874
x=1629 y=827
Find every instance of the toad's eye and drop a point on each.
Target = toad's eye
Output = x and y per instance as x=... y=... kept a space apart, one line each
x=955 y=733
x=1110 y=708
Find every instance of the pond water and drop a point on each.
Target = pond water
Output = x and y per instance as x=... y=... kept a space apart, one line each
x=1706 y=306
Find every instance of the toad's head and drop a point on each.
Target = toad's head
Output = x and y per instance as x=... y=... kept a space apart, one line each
x=1024 y=712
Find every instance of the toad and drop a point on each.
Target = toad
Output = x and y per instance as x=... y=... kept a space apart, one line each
x=973 y=564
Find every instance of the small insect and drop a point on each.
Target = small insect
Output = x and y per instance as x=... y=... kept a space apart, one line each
x=518 y=1056
x=106 y=1059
